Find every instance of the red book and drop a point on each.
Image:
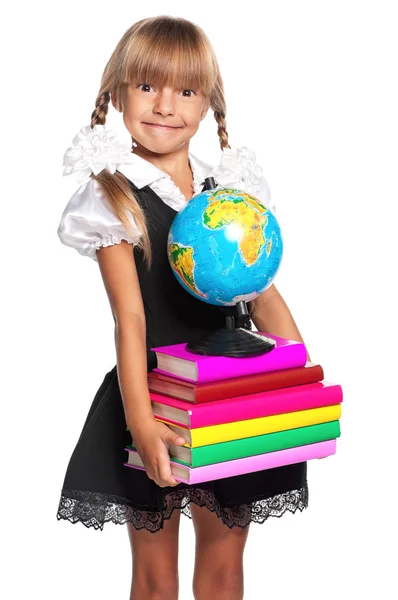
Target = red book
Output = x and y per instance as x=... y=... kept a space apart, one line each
x=198 y=393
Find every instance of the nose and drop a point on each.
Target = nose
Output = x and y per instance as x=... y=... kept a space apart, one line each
x=165 y=102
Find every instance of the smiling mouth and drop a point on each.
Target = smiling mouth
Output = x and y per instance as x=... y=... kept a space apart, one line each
x=161 y=126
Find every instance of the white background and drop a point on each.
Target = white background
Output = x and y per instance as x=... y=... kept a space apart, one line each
x=311 y=87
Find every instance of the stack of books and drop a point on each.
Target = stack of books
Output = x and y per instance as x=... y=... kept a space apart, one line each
x=240 y=415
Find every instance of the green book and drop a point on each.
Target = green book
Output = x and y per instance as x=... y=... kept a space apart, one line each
x=251 y=446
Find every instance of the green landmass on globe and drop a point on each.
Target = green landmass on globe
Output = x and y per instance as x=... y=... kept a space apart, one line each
x=183 y=263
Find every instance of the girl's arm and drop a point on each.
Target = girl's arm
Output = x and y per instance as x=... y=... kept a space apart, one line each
x=119 y=274
x=270 y=314
x=151 y=437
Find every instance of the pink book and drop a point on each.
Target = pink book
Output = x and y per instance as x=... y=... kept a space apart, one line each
x=251 y=406
x=241 y=466
x=178 y=362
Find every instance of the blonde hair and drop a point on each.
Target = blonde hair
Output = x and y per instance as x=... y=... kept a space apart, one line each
x=167 y=51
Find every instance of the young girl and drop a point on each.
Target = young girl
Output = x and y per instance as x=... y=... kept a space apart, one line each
x=163 y=76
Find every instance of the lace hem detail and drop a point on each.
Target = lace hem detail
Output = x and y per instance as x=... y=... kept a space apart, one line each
x=95 y=509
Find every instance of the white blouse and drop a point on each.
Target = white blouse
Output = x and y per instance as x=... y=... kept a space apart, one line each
x=88 y=221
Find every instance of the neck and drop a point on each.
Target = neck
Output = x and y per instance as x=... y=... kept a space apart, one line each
x=175 y=164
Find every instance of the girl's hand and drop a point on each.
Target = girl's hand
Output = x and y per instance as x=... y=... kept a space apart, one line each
x=152 y=439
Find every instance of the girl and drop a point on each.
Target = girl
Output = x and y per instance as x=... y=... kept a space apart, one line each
x=163 y=76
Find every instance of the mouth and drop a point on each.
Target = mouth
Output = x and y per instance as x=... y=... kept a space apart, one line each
x=158 y=126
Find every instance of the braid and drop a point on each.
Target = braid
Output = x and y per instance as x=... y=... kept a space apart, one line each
x=98 y=116
x=222 y=129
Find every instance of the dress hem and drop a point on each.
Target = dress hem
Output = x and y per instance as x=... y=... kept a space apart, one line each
x=95 y=509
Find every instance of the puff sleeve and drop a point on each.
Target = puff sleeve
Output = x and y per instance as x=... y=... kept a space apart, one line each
x=88 y=222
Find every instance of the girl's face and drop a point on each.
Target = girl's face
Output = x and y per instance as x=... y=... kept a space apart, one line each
x=161 y=120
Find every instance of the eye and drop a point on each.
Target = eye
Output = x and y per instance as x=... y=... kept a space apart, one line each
x=143 y=85
x=190 y=96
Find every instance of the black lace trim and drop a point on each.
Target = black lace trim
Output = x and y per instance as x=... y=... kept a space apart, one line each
x=94 y=509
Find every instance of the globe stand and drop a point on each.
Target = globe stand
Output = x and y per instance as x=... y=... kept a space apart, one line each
x=234 y=340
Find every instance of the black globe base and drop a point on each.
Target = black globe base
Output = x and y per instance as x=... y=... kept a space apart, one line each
x=233 y=341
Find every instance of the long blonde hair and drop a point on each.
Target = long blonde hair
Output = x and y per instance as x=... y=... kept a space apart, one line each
x=167 y=51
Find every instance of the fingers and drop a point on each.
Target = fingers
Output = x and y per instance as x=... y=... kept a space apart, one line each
x=164 y=474
x=157 y=461
x=174 y=438
x=160 y=472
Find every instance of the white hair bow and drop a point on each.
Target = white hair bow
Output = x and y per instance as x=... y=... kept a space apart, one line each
x=93 y=150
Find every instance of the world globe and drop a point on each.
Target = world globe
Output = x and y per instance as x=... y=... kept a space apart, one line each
x=224 y=246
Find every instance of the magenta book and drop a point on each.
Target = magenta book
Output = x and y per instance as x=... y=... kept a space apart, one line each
x=241 y=466
x=251 y=406
x=178 y=362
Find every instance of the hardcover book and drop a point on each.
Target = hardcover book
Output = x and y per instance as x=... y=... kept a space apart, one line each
x=178 y=362
x=198 y=393
x=241 y=466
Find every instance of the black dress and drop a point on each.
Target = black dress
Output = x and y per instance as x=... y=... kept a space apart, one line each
x=98 y=487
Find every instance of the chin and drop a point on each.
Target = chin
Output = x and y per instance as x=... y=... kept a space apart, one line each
x=162 y=146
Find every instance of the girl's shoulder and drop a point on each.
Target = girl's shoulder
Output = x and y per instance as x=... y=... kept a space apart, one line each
x=88 y=222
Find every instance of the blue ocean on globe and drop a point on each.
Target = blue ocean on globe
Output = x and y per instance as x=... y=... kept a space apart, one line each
x=225 y=246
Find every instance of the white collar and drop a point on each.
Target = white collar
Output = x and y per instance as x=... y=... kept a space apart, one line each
x=142 y=172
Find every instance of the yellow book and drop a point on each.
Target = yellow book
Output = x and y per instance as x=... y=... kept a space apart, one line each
x=226 y=432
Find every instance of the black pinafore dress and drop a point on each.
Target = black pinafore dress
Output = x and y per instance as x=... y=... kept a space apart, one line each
x=97 y=487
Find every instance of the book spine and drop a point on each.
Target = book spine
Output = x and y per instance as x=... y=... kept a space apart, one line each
x=240 y=429
x=269 y=442
x=260 y=382
x=260 y=462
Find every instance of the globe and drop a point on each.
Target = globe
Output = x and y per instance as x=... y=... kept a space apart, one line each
x=225 y=246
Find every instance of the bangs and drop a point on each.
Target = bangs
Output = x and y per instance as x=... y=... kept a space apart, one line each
x=169 y=54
